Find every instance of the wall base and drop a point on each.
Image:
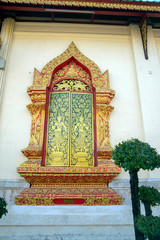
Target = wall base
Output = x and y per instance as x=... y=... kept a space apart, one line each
x=9 y=189
x=67 y=223
x=87 y=195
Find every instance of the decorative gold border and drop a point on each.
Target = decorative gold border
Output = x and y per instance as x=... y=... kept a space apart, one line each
x=68 y=160
x=92 y=128
x=144 y=35
x=102 y=4
x=90 y=201
x=45 y=178
x=37 y=93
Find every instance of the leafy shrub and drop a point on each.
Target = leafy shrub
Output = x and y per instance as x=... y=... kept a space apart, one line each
x=135 y=155
x=3 y=209
x=149 y=195
x=149 y=226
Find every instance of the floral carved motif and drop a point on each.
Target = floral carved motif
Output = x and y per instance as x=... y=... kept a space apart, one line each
x=100 y=81
x=71 y=71
x=103 y=113
x=36 y=139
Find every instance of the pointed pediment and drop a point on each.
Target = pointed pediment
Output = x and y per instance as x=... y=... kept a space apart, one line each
x=72 y=52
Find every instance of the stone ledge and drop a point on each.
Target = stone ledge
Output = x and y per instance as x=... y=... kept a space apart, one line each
x=68 y=223
x=124 y=183
x=122 y=187
x=73 y=236
x=67 y=215
x=13 y=183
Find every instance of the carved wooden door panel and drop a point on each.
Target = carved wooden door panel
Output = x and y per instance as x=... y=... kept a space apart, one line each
x=70 y=130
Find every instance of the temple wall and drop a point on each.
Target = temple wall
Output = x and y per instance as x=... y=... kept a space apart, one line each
x=118 y=49
x=157 y=40
x=156 y=33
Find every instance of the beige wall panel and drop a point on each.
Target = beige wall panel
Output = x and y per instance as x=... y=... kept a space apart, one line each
x=35 y=49
x=156 y=173
x=156 y=33
x=158 y=47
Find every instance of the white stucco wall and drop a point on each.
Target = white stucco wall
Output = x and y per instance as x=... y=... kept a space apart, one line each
x=157 y=40
x=158 y=47
x=36 y=44
x=156 y=106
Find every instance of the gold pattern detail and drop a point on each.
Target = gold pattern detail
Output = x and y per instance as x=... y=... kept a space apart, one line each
x=89 y=183
x=90 y=195
x=70 y=137
x=82 y=130
x=44 y=77
x=92 y=4
x=35 y=145
x=104 y=97
x=103 y=113
x=71 y=85
x=144 y=32
x=72 y=71
x=37 y=94
x=57 y=149
x=100 y=81
x=103 y=83
x=34 y=165
x=37 y=79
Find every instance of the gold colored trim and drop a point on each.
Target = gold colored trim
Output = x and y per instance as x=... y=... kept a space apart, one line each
x=59 y=164
x=102 y=4
x=73 y=142
x=48 y=182
x=41 y=79
x=144 y=34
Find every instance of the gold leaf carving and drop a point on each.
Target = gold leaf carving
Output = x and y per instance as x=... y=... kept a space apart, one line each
x=92 y=4
x=103 y=83
x=37 y=79
x=73 y=52
x=37 y=112
x=49 y=181
x=103 y=113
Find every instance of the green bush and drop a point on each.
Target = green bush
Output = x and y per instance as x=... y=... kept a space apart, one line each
x=133 y=155
x=149 y=226
x=3 y=209
x=149 y=195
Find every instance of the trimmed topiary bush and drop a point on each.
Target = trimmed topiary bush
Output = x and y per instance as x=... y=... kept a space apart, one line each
x=149 y=226
x=133 y=155
x=3 y=209
x=150 y=197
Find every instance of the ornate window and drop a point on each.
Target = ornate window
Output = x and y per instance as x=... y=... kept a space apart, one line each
x=70 y=126
x=67 y=163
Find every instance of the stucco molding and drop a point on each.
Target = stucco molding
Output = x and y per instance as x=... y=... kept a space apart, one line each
x=61 y=28
x=6 y=39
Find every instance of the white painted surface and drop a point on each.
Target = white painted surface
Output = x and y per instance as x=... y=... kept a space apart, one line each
x=68 y=222
x=6 y=40
x=34 y=49
x=157 y=40
x=158 y=48
x=148 y=72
